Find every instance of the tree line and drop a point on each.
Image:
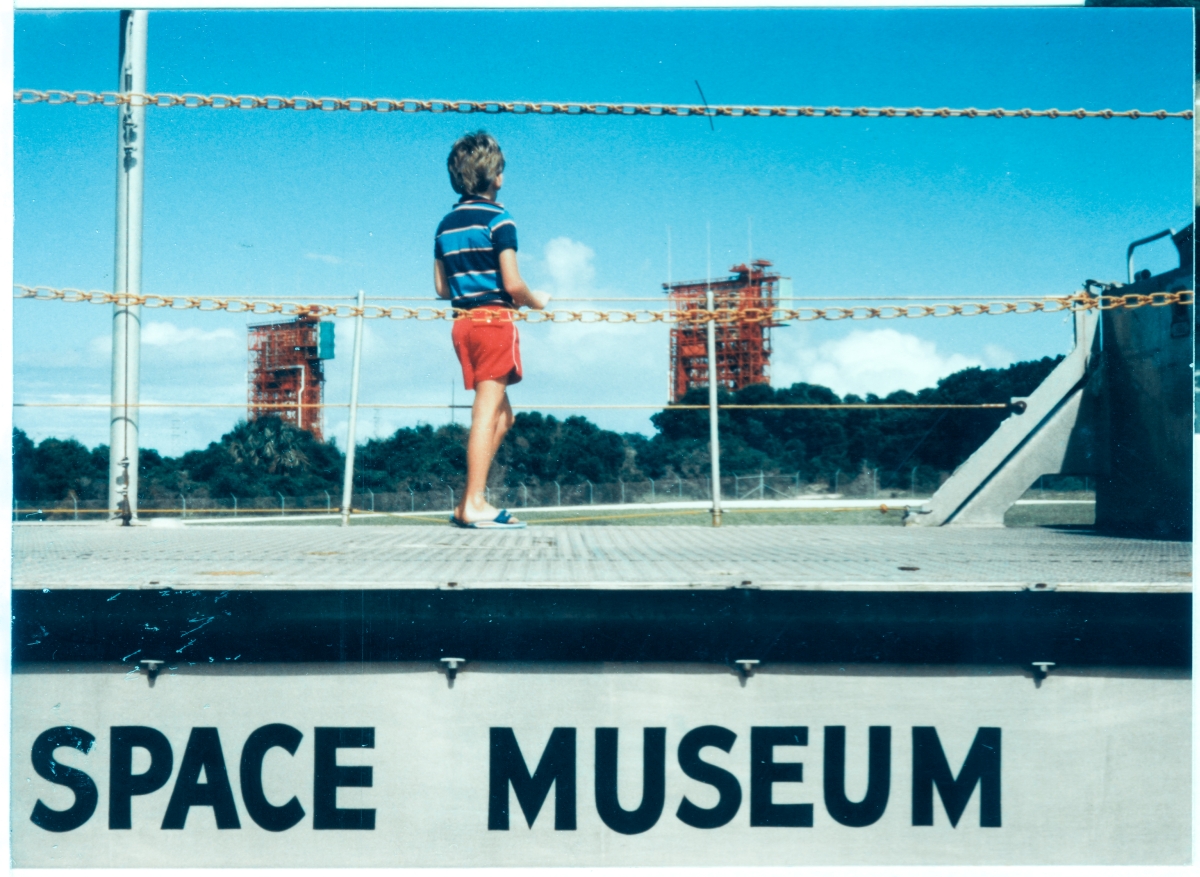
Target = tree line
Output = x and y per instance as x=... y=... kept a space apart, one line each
x=267 y=455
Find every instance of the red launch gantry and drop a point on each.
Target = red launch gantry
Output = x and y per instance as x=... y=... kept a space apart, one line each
x=743 y=348
x=286 y=369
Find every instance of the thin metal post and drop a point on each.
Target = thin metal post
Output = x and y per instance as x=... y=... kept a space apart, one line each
x=75 y=503
x=651 y=490
x=680 y=480
x=412 y=501
x=622 y=483
x=183 y=510
x=451 y=489
x=348 y=477
x=372 y=493
x=912 y=487
x=281 y=504
x=835 y=480
x=127 y=277
x=524 y=495
x=328 y=503
x=762 y=488
x=558 y=490
x=234 y=504
x=714 y=438
x=591 y=494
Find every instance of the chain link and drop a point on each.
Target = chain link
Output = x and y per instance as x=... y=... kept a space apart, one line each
x=549 y=108
x=687 y=317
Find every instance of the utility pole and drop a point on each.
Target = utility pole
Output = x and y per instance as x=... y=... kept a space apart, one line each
x=714 y=438
x=127 y=277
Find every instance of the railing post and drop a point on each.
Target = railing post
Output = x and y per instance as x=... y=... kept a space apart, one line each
x=591 y=494
x=651 y=490
x=75 y=503
x=524 y=495
x=348 y=476
x=451 y=489
x=281 y=504
x=714 y=438
x=372 y=495
x=558 y=491
x=412 y=501
x=328 y=503
x=127 y=277
x=183 y=500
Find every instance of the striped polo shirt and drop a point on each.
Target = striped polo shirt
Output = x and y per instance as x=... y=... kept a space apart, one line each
x=468 y=243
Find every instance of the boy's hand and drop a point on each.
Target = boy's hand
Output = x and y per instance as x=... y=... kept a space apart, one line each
x=538 y=300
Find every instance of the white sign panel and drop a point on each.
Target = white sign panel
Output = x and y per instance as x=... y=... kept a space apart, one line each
x=316 y=765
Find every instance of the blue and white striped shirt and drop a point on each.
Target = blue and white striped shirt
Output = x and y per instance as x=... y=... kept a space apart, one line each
x=468 y=243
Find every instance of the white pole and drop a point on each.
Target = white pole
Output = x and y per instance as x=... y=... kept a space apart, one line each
x=714 y=438
x=348 y=478
x=127 y=278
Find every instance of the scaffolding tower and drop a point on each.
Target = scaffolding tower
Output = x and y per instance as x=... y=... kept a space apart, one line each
x=287 y=368
x=743 y=348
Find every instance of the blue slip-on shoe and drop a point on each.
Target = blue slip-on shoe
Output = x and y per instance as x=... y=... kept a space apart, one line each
x=502 y=521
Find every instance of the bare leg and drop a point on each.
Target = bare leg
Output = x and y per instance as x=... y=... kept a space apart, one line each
x=491 y=417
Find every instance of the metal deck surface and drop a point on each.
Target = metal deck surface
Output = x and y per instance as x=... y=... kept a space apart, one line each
x=611 y=557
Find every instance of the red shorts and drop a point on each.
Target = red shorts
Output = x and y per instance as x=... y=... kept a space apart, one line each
x=487 y=345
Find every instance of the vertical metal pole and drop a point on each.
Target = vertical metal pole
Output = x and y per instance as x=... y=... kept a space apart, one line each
x=127 y=278
x=348 y=477
x=714 y=438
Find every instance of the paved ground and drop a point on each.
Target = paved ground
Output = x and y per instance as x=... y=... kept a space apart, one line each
x=848 y=557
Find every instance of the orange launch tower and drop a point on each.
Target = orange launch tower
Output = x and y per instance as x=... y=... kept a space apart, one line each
x=743 y=348
x=286 y=368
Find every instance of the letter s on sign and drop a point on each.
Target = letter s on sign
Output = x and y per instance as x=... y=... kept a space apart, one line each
x=86 y=796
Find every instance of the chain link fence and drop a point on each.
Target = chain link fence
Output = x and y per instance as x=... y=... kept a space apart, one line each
x=441 y=498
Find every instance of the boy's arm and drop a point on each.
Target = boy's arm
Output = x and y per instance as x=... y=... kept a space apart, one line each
x=510 y=277
x=440 y=286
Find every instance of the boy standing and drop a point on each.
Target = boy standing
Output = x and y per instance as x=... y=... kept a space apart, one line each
x=475 y=266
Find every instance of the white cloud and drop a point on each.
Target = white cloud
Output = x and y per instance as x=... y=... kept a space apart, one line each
x=569 y=264
x=323 y=257
x=998 y=357
x=166 y=340
x=878 y=361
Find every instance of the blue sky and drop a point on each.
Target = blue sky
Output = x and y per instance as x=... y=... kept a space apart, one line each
x=298 y=205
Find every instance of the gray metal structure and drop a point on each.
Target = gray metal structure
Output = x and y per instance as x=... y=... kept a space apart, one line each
x=266 y=557
x=127 y=277
x=1117 y=408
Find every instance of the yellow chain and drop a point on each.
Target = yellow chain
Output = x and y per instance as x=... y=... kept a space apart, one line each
x=692 y=316
x=547 y=108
